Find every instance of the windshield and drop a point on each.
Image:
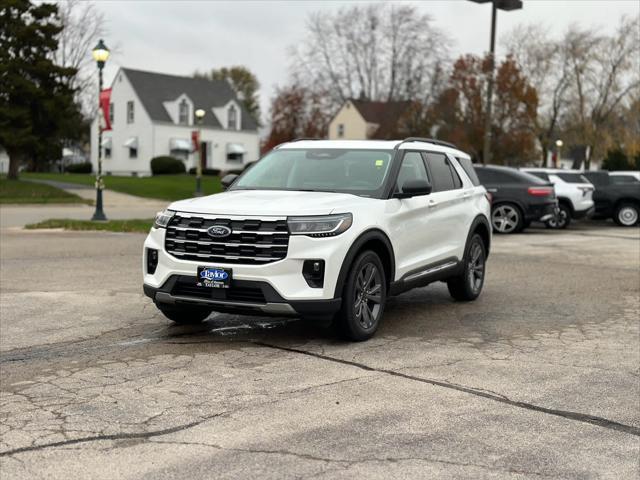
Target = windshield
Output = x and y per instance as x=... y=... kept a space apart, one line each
x=360 y=172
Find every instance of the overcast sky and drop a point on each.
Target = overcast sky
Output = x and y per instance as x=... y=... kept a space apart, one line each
x=180 y=37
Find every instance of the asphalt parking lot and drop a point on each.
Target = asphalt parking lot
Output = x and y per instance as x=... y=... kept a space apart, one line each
x=538 y=378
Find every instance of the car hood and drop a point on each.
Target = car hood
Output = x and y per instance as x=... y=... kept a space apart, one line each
x=271 y=203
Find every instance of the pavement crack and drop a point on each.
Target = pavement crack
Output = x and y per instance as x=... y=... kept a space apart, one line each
x=575 y=416
x=114 y=436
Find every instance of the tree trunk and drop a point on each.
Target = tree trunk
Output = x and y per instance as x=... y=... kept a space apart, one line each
x=14 y=165
x=545 y=153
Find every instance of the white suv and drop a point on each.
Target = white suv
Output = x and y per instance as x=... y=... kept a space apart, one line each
x=574 y=193
x=323 y=229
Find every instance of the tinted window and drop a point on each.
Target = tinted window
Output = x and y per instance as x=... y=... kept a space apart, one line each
x=572 y=177
x=441 y=172
x=467 y=166
x=598 y=178
x=623 y=179
x=540 y=175
x=412 y=168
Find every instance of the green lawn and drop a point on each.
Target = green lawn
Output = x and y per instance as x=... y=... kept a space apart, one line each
x=16 y=191
x=163 y=187
x=137 y=225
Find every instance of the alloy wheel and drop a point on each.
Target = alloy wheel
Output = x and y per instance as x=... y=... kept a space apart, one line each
x=368 y=296
x=505 y=218
x=558 y=221
x=628 y=216
x=475 y=267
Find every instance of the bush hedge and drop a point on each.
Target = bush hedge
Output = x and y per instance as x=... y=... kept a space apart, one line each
x=166 y=165
x=205 y=171
x=84 y=167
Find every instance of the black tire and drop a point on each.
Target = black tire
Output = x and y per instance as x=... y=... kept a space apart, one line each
x=468 y=285
x=185 y=315
x=363 y=298
x=627 y=214
x=563 y=220
x=506 y=218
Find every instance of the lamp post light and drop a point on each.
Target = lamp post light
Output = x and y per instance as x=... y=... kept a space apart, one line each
x=199 y=114
x=507 y=6
x=559 y=144
x=100 y=55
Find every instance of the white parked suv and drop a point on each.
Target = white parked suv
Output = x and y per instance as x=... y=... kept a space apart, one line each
x=574 y=193
x=323 y=229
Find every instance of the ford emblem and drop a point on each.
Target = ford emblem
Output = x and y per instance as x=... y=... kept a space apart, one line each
x=219 y=231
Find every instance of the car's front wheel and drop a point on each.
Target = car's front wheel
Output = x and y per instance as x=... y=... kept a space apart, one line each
x=468 y=285
x=185 y=315
x=627 y=214
x=363 y=298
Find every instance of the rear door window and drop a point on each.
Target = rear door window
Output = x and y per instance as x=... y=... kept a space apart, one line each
x=467 y=166
x=442 y=173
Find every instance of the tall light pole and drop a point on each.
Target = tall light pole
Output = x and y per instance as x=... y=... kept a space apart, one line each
x=506 y=5
x=559 y=144
x=100 y=55
x=199 y=114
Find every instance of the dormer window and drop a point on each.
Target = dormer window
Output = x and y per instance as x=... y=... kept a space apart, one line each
x=232 y=118
x=183 y=113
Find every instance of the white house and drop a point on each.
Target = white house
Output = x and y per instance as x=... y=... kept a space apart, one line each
x=152 y=114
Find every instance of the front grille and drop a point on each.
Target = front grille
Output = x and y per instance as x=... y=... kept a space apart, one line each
x=188 y=288
x=252 y=242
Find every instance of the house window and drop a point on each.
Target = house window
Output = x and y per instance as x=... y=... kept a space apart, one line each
x=130 y=112
x=183 y=113
x=232 y=118
x=111 y=113
x=133 y=152
x=340 y=130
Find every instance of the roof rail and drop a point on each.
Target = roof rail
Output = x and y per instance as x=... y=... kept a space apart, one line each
x=427 y=140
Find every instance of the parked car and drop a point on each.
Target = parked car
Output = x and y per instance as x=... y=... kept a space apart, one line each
x=323 y=229
x=625 y=176
x=518 y=198
x=620 y=201
x=574 y=193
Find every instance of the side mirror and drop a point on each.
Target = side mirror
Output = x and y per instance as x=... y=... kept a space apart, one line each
x=414 y=188
x=227 y=180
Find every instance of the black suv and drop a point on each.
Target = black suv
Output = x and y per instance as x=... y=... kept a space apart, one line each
x=620 y=201
x=519 y=198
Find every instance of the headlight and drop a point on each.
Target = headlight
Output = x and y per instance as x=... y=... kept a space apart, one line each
x=163 y=218
x=321 y=226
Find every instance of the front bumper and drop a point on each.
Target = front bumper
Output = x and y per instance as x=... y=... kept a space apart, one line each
x=244 y=297
x=588 y=213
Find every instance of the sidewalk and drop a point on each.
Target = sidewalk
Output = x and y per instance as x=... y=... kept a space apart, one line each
x=116 y=206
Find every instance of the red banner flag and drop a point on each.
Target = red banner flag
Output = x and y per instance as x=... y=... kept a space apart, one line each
x=105 y=102
x=195 y=140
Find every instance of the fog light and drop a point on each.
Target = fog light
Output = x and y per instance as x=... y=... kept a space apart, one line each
x=152 y=260
x=313 y=273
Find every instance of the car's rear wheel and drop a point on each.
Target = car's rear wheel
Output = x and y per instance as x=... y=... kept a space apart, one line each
x=562 y=220
x=627 y=214
x=363 y=298
x=506 y=218
x=185 y=315
x=468 y=285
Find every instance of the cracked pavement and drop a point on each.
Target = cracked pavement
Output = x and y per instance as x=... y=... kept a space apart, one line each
x=539 y=378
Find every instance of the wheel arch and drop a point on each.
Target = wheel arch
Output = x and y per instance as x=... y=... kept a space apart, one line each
x=376 y=240
x=482 y=226
x=568 y=203
x=622 y=200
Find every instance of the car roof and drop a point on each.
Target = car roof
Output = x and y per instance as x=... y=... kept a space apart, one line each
x=374 y=145
x=551 y=170
x=495 y=167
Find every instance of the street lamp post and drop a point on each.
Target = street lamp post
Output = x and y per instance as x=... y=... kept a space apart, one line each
x=199 y=114
x=506 y=5
x=559 y=144
x=100 y=55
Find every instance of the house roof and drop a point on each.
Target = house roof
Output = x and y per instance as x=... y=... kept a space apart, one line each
x=385 y=114
x=155 y=88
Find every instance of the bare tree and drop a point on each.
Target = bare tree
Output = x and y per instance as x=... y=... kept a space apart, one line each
x=83 y=25
x=374 y=52
x=605 y=78
x=545 y=64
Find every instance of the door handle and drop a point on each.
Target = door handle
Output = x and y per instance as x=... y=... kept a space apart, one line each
x=432 y=204
x=492 y=190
